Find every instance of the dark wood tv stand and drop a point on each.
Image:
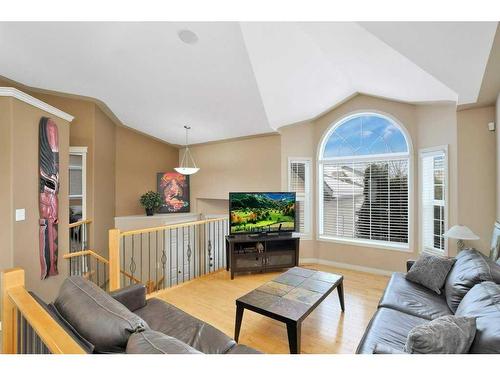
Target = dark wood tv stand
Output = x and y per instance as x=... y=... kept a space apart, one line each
x=261 y=253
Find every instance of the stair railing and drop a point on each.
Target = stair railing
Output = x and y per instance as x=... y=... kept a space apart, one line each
x=79 y=235
x=165 y=256
x=89 y=265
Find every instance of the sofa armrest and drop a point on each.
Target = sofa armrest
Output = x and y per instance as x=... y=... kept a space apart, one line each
x=385 y=349
x=133 y=297
x=409 y=264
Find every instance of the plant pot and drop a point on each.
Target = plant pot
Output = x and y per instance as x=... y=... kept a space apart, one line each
x=149 y=211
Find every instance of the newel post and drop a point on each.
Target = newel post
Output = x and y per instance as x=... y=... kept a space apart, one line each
x=114 y=259
x=11 y=278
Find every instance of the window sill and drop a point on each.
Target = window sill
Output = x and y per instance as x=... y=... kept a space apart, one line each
x=367 y=243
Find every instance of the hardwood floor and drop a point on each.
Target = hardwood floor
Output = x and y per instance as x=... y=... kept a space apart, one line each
x=326 y=330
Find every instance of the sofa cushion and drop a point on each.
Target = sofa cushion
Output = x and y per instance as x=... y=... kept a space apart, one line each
x=414 y=299
x=471 y=268
x=153 y=342
x=390 y=328
x=168 y=319
x=445 y=335
x=103 y=321
x=430 y=271
x=483 y=303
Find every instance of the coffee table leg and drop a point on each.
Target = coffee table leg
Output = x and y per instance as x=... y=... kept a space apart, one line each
x=340 y=290
x=293 y=329
x=237 y=326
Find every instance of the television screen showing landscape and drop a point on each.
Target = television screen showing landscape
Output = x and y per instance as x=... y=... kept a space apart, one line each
x=262 y=212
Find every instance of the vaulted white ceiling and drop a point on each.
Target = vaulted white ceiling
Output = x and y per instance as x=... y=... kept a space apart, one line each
x=245 y=78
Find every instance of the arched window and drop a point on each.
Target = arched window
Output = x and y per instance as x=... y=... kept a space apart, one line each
x=364 y=162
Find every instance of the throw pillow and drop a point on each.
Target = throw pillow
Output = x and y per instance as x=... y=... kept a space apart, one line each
x=430 y=271
x=97 y=316
x=445 y=335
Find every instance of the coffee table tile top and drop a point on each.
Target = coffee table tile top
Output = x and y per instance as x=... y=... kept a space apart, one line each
x=290 y=279
x=275 y=288
x=304 y=272
x=316 y=285
x=303 y=295
x=292 y=293
x=325 y=276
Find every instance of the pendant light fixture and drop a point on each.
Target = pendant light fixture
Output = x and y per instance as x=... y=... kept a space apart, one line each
x=184 y=168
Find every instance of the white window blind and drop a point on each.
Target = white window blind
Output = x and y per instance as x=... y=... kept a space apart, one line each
x=299 y=181
x=366 y=200
x=433 y=200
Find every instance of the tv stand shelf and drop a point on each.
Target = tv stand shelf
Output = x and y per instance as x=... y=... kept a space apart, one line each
x=261 y=253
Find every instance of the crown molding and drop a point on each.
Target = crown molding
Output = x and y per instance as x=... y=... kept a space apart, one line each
x=22 y=96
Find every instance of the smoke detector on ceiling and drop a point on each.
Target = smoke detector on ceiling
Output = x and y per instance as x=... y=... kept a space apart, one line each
x=187 y=36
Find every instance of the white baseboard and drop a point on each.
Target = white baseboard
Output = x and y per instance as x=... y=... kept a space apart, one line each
x=348 y=266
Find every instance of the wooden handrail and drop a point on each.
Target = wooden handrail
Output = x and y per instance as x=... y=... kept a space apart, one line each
x=172 y=226
x=134 y=279
x=16 y=298
x=79 y=223
x=52 y=334
x=86 y=252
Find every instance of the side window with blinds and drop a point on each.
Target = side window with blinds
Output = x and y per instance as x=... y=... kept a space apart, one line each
x=299 y=181
x=433 y=199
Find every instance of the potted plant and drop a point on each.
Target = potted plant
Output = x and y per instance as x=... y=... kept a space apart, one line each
x=151 y=201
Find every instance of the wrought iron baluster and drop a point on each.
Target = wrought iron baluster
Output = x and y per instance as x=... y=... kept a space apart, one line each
x=170 y=260
x=123 y=262
x=177 y=254
x=132 y=261
x=156 y=261
x=149 y=258
x=195 y=248
x=164 y=258
x=97 y=270
x=141 y=278
x=183 y=254
x=189 y=253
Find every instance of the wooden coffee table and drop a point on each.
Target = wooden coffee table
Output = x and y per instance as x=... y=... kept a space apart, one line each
x=290 y=298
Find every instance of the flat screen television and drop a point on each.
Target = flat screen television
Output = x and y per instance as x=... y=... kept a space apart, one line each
x=261 y=212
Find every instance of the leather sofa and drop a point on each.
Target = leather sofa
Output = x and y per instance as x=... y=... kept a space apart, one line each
x=472 y=288
x=125 y=321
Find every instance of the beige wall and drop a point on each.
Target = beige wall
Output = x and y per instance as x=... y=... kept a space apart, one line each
x=437 y=126
x=477 y=174
x=104 y=180
x=23 y=155
x=121 y=163
x=497 y=124
x=427 y=126
x=138 y=160
x=360 y=255
x=81 y=134
x=6 y=201
x=251 y=164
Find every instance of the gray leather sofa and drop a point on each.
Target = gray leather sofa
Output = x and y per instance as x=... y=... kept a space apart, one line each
x=471 y=289
x=126 y=322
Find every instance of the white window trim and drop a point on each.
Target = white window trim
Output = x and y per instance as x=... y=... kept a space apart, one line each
x=429 y=152
x=394 y=246
x=82 y=151
x=307 y=235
